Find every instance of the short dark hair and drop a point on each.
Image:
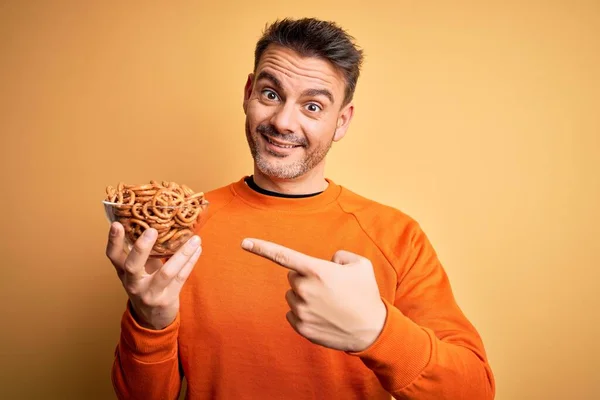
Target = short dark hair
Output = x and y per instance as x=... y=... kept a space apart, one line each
x=315 y=38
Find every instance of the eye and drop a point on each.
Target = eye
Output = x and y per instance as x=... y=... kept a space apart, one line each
x=270 y=95
x=312 y=107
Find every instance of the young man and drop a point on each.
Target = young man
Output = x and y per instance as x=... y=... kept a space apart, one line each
x=304 y=290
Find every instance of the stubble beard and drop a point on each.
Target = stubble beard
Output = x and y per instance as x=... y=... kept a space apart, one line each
x=282 y=169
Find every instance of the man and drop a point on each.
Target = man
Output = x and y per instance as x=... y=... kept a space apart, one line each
x=302 y=289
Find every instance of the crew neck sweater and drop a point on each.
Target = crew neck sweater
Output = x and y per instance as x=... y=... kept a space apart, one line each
x=231 y=339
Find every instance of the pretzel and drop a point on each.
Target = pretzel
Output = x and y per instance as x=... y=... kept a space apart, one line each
x=172 y=209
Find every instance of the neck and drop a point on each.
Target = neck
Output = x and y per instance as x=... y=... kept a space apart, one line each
x=311 y=182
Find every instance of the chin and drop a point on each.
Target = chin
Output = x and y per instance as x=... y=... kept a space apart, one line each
x=279 y=170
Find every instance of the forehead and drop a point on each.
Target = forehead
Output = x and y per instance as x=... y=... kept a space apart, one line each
x=295 y=70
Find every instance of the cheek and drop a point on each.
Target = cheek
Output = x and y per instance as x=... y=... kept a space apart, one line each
x=320 y=131
x=257 y=113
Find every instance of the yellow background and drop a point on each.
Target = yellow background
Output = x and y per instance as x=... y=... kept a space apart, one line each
x=479 y=119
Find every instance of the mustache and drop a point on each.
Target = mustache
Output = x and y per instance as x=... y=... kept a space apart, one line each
x=271 y=131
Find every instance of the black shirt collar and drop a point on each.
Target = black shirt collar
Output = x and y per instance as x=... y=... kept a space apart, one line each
x=250 y=182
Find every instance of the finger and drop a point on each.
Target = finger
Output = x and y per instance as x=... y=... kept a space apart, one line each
x=281 y=255
x=185 y=272
x=293 y=301
x=294 y=321
x=114 y=247
x=293 y=278
x=163 y=277
x=296 y=283
x=136 y=260
x=344 y=257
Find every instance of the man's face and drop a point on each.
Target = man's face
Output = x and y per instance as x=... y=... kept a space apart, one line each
x=294 y=112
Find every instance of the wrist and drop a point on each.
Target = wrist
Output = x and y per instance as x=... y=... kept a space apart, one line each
x=145 y=344
x=138 y=317
x=373 y=328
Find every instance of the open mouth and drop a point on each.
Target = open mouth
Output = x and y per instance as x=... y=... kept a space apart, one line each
x=281 y=145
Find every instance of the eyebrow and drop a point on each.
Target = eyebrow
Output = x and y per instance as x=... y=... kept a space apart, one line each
x=268 y=76
x=307 y=93
x=318 y=92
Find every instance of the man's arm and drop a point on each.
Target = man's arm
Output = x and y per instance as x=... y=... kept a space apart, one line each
x=420 y=347
x=427 y=348
x=146 y=364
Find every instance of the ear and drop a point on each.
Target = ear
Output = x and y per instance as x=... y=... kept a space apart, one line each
x=248 y=91
x=343 y=121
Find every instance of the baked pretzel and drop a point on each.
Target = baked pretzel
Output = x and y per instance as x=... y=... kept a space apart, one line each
x=168 y=207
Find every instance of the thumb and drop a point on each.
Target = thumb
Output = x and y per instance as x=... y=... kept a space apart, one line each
x=344 y=257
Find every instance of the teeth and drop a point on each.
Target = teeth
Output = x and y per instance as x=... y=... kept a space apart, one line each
x=280 y=145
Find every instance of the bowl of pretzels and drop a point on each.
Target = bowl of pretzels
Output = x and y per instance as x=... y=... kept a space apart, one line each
x=173 y=210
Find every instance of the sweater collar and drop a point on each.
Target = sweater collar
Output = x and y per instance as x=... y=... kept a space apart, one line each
x=259 y=200
x=250 y=182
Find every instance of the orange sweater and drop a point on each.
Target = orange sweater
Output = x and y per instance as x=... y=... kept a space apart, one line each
x=231 y=339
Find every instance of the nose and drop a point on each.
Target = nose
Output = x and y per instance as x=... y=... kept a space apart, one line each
x=285 y=119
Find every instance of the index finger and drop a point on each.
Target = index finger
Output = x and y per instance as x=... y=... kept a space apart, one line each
x=288 y=258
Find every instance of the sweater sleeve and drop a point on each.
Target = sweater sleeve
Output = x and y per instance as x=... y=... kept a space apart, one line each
x=427 y=348
x=146 y=364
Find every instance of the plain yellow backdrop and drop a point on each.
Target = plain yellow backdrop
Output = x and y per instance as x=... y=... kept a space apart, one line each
x=479 y=119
